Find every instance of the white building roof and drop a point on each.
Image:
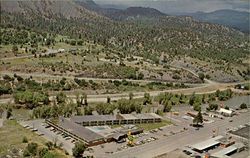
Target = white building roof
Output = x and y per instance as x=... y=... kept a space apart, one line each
x=225 y=111
x=223 y=152
x=205 y=144
x=128 y=116
x=217 y=137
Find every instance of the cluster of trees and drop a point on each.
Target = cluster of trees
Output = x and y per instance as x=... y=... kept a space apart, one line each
x=22 y=36
x=79 y=149
x=169 y=99
x=198 y=118
x=126 y=106
x=31 y=99
x=32 y=149
x=54 y=111
x=212 y=107
x=238 y=86
x=9 y=85
x=224 y=95
x=5 y=89
x=105 y=108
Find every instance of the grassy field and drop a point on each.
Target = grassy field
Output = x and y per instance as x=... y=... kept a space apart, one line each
x=11 y=135
x=150 y=126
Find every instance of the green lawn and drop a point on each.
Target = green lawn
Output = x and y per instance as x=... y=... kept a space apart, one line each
x=150 y=126
x=116 y=126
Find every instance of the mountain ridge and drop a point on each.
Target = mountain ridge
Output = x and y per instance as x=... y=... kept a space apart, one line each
x=120 y=14
x=235 y=19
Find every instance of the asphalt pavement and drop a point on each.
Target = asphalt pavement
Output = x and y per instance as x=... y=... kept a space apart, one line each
x=49 y=135
x=180 y=140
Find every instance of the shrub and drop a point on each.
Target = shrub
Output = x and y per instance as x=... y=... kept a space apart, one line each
x=43 y=152
x=243 y=106
x=49 y=145
x=61 y=97
x=79 y=149
x=176 y=77
x=32 y=148
x=25 y=139
x=26 y=153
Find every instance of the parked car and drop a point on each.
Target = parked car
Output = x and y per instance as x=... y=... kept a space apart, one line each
x=121 y=141
x=188 y=152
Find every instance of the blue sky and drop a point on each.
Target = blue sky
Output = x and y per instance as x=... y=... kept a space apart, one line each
x=169 y=6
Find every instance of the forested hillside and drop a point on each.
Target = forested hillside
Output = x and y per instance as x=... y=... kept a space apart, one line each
x=234 y=19
x=149 y=37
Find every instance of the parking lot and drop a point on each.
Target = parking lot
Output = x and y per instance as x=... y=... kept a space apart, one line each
x=40 y=127
x=147 y=139
x=241 y=131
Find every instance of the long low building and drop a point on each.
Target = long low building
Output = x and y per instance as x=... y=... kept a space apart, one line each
x=100 y=120
x=92 y=135
x=226 y=152
x=207 y=144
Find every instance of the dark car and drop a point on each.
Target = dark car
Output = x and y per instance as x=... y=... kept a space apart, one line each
x=188 y=153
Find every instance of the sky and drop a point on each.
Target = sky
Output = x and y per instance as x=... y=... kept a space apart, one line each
x=190 y=6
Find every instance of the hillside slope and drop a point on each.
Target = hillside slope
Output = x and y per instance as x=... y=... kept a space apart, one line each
x=47 y=8
x=174 y=37
x=235 y=19
x=120 y=14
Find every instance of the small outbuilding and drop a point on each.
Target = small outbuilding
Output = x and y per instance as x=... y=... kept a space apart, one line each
x=225 y=112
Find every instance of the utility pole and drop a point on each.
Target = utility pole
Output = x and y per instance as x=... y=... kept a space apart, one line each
x=170 y=116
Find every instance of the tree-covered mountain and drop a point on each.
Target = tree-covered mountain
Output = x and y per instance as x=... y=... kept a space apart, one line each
x=121 y=14
x=176 y=35
x=231 y=18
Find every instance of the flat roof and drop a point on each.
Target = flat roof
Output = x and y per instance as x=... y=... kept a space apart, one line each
x=87 y=118
x=79 y=130
x=205 y=144
x=217 y=137
x=224 y=151
x=225 y=111
x=125 y=130
x=128 y=116
x=145 y=116
x=155 y=115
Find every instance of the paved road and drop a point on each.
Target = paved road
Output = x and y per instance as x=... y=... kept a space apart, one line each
x=204 y=89
x=180 y=140
x=49 y=51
